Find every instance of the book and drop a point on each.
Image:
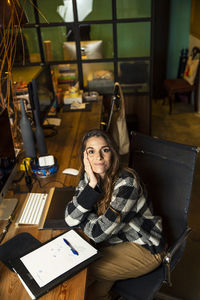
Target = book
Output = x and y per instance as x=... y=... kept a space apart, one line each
x=53 y=216
x=54 y=262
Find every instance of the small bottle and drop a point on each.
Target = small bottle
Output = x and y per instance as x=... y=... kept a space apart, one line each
x=27 y=133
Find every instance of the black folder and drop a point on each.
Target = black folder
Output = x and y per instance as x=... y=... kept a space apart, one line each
x=28 y=280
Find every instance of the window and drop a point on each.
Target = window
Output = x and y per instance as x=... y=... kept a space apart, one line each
x=58 y=30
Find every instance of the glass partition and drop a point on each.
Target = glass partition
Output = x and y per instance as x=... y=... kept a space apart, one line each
x=98 y=77
x=94 y=10
x=134 y=39
x=103 y=32
x=53 y=39
x=133 y=8
x=65 y=76
x=29 y=10
x=134 y=76
x=96 y=43
x=115 y=43
x=31 y=38
x=55 y=11
x=62 y=11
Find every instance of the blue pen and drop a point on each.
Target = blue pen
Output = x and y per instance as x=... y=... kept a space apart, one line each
x=71 y=247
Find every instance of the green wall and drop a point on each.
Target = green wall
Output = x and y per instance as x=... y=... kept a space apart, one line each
x=179 y=31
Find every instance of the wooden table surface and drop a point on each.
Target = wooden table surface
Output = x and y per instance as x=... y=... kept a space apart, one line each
x=65 y=147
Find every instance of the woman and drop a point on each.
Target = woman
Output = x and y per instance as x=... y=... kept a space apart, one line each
x=111 y=208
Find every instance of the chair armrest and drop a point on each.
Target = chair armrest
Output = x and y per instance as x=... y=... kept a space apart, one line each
x=170 y=253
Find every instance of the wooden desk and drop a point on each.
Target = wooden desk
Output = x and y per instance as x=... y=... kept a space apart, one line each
x=65 y=147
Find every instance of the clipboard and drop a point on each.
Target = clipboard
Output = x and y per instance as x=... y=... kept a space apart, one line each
x=27 y=270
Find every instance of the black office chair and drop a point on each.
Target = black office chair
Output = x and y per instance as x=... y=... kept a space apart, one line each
x=166 y=169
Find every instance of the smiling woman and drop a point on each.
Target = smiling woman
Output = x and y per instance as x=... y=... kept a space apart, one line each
x=110 y=207
x=97 y=156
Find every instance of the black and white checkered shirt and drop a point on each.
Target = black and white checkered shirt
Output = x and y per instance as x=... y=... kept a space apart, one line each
x=128 y=218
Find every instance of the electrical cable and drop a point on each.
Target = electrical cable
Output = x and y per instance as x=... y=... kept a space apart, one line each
x=28 y=178
x=43 y=186
x=50 y=127
x=5 y=229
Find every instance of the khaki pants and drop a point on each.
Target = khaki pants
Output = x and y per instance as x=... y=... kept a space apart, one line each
x=121 y=261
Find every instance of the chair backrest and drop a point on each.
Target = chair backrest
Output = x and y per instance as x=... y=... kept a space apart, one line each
x=166 y=169
x=191 y=72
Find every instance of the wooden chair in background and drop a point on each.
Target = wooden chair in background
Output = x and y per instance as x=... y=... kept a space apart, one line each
x=182 y=86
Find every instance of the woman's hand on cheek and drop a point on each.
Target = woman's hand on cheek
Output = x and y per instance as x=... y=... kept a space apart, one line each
x=89 y=171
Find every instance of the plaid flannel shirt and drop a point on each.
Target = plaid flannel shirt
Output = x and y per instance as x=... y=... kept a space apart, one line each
x=129 y=217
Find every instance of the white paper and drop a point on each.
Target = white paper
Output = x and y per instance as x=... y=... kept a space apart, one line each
x=55 y=258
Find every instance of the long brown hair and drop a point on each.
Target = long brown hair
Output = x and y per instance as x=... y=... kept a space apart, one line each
x=112 y=172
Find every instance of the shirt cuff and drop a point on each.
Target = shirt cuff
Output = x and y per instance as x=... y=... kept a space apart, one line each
x=88 y=197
